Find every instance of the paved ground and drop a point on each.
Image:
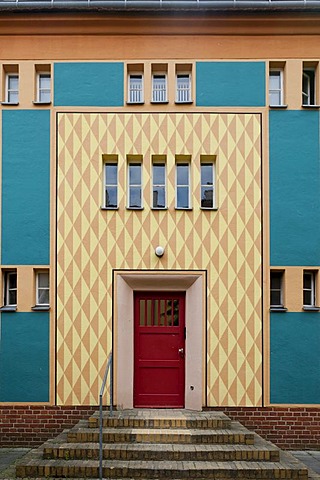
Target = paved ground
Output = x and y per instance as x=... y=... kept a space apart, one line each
x=8 y=457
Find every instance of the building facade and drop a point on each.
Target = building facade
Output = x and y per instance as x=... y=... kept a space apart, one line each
x=160 y=199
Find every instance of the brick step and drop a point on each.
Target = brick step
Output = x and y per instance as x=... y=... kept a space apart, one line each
x=285 y=469
x=161 y=419
x=260 y=451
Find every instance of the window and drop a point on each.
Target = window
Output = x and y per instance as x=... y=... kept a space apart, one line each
x=44 y=87
x=42 y=288
x=207 y=170
x=183 y=185
x=159 y=88
x=134 y=184
x=111 y=181
x=275 y=87
x=183 y=88
x=135 y=87
x=309 y=288
x=12 y=88
x=10 y=289
x=308 y=86
x=276 y=289
x=158 y=183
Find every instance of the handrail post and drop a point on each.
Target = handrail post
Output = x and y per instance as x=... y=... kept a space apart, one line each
x=108 y=367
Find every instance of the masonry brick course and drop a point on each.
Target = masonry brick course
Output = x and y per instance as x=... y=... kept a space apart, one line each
x=287 y=427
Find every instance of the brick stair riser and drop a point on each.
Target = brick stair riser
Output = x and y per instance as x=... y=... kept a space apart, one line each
x=168 y=455
x=160 y=424
x=82 y=470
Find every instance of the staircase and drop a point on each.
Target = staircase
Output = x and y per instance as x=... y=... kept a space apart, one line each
x=159 y=444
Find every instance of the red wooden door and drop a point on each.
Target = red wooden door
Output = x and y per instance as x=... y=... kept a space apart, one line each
x=159 y=349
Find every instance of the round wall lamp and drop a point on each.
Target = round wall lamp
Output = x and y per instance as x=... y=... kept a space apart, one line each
x=159 y=251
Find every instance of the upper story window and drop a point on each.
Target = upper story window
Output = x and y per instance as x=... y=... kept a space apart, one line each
x=309 y=288
x=276 y=95
x=110 y=181
x=276 y=289
x=10 y=288
x=42 y=288
x=308 y=85
x=183 y=185
x=134 y=181
x=12 y=88
x=159 y=88
x=158 y=182
x=135 y=88
x=207 y=171
x=183 y=88
x=44 y=87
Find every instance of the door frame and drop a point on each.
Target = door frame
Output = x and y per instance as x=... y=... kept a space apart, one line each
x=193 y=283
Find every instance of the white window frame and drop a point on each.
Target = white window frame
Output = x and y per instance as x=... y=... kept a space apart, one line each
x=41 y=90
x=278 y=90
x=186 y=185
x=159 y=95
x=8 y=276
x=163 y=185
x=39 y=288
x=10 y=91
x=279 y=274
x=112 y=185
x=187 y=94
x=211 y=186
x=135 y=95
x=307 y=99
x=136 y=186
x=311 y=290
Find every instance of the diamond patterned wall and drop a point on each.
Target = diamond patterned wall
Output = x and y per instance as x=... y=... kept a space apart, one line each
x=227 y=243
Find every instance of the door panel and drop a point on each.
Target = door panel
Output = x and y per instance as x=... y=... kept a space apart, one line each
x=159 y=357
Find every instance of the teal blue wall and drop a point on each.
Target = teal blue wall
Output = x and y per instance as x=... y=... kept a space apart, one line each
x=25 y=187
x=294 y=188
x=238 y=84
x=294 y=357
x=89 y=84
x=24 y=357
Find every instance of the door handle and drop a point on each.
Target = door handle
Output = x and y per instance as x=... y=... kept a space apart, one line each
x=181 y=352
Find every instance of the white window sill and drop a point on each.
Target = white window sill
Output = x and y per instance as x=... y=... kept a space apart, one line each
x=8 y=308
x=40 y=308
x=159 y=208
x=209 y=208
x=109 y=208
x=279 y=309
x=165 y=102
x=134 y=208
x=278 y=106
x=310 y=106
x=41 y=103
x=135 y=103
x=311 y=308
x=188 y=102
x=12 y=104
x=183 y=208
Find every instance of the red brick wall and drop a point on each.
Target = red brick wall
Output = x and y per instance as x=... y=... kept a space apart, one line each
x=289 y=428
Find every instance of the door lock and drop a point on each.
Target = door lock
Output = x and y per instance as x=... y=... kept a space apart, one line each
x=181 y=352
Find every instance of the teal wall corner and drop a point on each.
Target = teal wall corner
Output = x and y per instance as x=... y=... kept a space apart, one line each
x=234 y=84
x=294 y=188
x=25 y=187
x=89 y=84
x=294 y=358
x=24 y=357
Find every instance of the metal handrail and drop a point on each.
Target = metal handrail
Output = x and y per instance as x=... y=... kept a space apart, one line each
x=108 y=367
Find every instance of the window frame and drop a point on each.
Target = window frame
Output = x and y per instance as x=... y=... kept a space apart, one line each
x=189 y=90
x=165 y=90
x=38 y=288
x=179 y=186
x=156 y=163
x=280 y=90
x=209 y=161
x=279 y=290
x=40 y=74
x=110 y=162
x=139 y=101
x=312 y=290
x=7 y=289
x=137 y=186
x=10 y=91
x=310 y=95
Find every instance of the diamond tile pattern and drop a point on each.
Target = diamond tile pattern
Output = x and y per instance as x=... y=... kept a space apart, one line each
x=227 y=243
